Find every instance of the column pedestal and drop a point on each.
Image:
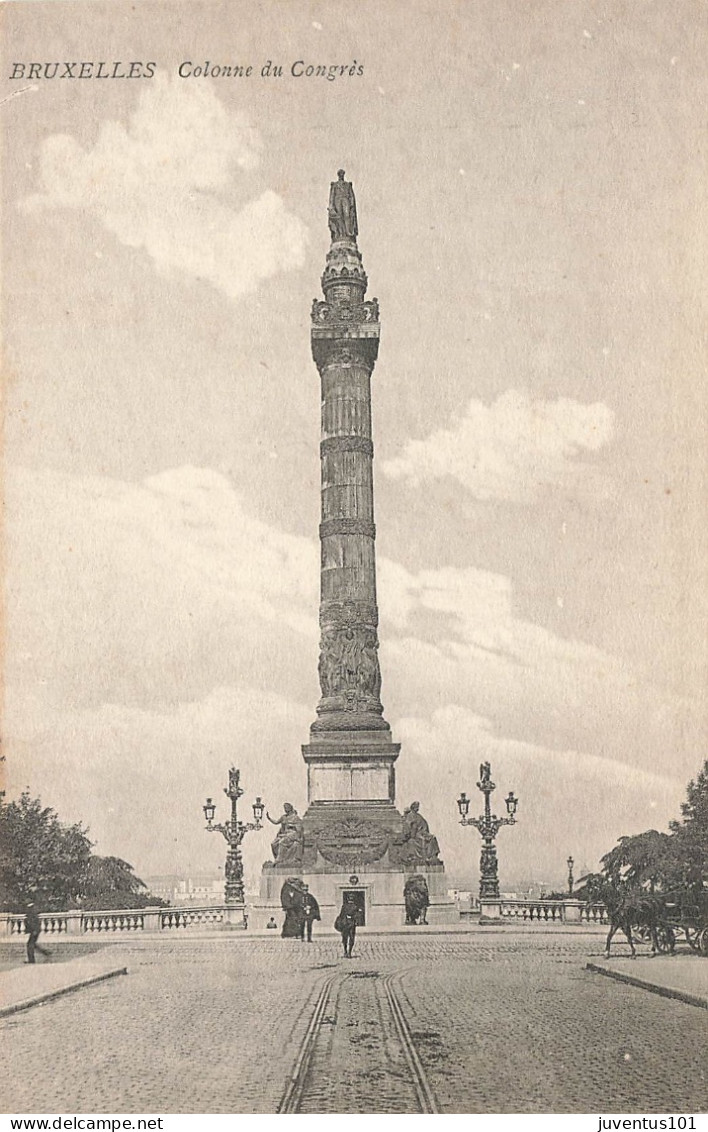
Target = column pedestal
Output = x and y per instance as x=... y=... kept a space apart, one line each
x=234 y=917
x=381 y=893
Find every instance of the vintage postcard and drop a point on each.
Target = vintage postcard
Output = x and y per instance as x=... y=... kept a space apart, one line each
x=355 y=469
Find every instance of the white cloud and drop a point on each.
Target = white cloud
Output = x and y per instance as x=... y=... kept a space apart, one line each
x=570 y=802
x=515 y=449
x=157 y=592
x=152 y=591
x=163 y=184
x=454 y=636
x=159 y=631
x=139 y=777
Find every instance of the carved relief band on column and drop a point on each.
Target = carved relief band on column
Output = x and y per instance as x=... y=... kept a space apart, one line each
x=345 y=350
x=346 y=444
x=349 y=313
x=349 y=663
x=347 y=527
x=337 y=614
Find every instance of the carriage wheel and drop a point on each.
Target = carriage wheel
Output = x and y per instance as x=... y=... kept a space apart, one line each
x=665 y=938
x=693 y=935
x=703 y=942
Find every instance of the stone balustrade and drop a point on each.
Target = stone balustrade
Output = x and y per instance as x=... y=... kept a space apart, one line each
x=214 y=916
x=594 y=914
x=120 y=920
x=128 y=921
x=551 y=911
x=190 y=917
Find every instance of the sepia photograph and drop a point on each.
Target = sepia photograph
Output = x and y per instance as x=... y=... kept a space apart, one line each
x=354 y=495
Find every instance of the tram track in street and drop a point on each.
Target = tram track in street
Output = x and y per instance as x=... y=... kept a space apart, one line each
x=358 y=1045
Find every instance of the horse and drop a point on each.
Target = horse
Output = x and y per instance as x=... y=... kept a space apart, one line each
x=630 y=906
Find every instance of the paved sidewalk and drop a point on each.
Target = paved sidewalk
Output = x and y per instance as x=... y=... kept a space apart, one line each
x=33 y=984
x=681 y=976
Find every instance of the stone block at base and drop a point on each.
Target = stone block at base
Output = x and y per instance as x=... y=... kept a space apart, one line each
x=490 y=911
x=571 y=911
x=234 y=918
x=382 y=894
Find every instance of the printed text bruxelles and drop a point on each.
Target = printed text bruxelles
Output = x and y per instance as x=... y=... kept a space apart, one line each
x=186 y=70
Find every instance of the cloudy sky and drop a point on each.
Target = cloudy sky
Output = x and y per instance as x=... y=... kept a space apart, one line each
x=530 y=187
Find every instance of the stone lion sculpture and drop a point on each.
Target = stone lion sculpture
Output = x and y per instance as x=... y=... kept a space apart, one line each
x=417 y=899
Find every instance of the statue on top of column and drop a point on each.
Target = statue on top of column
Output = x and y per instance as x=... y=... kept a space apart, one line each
x=342 y=209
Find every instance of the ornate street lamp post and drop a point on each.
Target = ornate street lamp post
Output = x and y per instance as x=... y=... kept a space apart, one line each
x=488 y=825
x=570 y=862
x=234 y=831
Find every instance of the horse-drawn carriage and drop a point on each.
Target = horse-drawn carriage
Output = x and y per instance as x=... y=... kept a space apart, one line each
x=661 y=919
x=683 y=913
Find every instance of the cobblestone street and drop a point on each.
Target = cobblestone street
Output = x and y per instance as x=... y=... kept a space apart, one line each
x=501 y=1022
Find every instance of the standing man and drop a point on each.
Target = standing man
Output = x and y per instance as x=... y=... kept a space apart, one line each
x=346 y=923
x=310 y=912
x=33 y=926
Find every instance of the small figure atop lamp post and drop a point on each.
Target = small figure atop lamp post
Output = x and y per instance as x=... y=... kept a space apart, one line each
x=234 y=831
x=488 y=825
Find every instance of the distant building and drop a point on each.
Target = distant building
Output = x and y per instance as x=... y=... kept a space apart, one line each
x=202 y=888
x=466 y=900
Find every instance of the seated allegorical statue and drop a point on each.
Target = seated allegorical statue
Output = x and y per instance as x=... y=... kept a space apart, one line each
x=417 y=843
x=289 y=843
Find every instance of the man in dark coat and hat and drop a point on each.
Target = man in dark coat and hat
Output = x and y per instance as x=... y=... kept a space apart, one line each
x=310 y=912
x=33 y=926
x=346 y=923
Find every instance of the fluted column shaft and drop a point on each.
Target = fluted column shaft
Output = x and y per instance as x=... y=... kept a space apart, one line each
x=345 y=338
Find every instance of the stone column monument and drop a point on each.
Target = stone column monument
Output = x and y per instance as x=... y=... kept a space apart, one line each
x=350 y=755
x=352 y=837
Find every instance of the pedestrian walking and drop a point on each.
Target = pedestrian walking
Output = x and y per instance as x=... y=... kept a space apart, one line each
x=346 y=924
x=310 y=913
x=33 y=926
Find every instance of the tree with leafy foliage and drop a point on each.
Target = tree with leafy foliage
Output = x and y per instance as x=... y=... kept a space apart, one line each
x=112 y=883
x=666 y=862
x=50 y=863
x=644 y=859
x=41 y=859
x=691 y=833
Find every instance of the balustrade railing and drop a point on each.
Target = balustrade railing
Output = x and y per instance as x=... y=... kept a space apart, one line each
x=594 y=914
x=126 y=920
x=53 y=923
x=112 y=921
x=190 y=917
x=553 y=911
x=122 y=920
x=547 y=911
